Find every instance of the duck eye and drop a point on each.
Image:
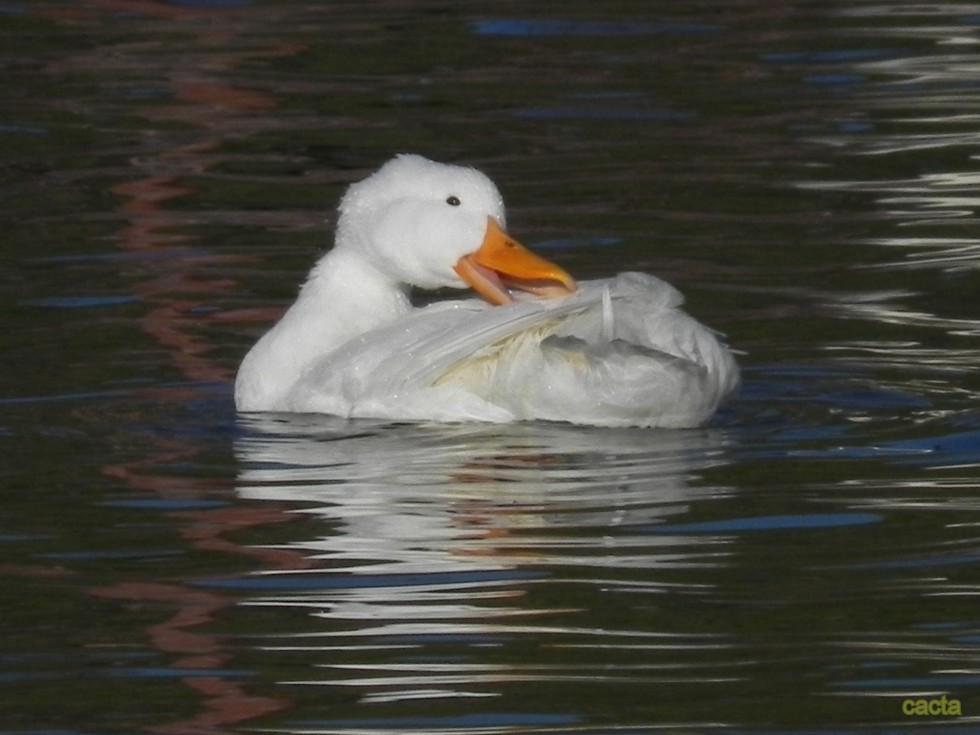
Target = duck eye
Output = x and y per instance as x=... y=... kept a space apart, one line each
x=453 y=201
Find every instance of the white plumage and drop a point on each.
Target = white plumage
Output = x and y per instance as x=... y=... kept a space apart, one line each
x=611 y=352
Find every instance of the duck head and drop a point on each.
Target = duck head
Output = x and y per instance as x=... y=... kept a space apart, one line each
x=435 y=225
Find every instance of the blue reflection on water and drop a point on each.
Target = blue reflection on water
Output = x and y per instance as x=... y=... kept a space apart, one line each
x=14 y=129
x=210 y=3
x=448 y=724
x=82 y=302
x=601 y=113
x=921 y=562
x=840 y=56
x=956 y=448
x=522 y=28
x=568 y=243
x=337 y=581
x=162 y=672
x=769 y=523
x=67 y=397
x=110 y=555
x=858 y=407
x=833 y=79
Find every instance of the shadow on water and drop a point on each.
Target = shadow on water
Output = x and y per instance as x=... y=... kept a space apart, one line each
x=804 y=172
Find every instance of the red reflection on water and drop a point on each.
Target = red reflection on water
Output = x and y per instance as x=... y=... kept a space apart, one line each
x=180 y=295
x=226 y=702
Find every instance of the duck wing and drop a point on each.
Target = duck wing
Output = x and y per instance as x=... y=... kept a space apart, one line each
x=617 y=352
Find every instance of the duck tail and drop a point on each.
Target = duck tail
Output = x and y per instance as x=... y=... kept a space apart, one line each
x=608 y=323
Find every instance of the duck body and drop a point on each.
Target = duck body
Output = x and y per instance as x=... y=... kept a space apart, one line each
x=609 y=352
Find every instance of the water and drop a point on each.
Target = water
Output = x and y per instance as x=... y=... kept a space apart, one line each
x=806 y=173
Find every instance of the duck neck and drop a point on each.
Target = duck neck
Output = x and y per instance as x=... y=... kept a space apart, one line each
x=344 y=297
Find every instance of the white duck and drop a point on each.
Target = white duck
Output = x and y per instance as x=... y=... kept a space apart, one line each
x=612 y=352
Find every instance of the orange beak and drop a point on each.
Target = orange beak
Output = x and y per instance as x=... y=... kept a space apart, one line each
x=501 y=262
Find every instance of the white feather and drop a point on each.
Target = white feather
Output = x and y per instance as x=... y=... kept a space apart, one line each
x=618 y=352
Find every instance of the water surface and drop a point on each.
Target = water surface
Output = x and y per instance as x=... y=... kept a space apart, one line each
x=805 y=173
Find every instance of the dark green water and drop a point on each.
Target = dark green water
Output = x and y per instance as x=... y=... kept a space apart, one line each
x=805 y=172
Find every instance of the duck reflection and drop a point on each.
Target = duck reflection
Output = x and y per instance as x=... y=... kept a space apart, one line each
x=413 y=498
x=448 y=535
